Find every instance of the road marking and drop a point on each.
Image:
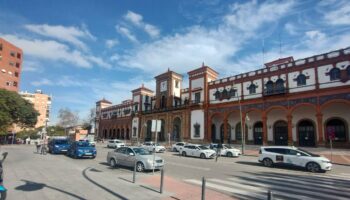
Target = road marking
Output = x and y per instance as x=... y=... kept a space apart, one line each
x=188 y=166
x=227 y=189
x=291 y=189
x=263 y=189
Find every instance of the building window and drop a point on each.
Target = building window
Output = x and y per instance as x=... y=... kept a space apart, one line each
x=176 y=84
x=12 y=64
x=279 y=85
x=348 y=71
x=197 y=97
x=334 y=74
x=17 y=65
x=19 y=55
x=16 y=74
x=217 y=94
x=252 y=89
x=269 y=87
x=0 y=47
x=15 y=83
x=301 y=80
x=136 y=108
x=8 y=83
x=147 y=99
x=13 y=54
x=196 y=127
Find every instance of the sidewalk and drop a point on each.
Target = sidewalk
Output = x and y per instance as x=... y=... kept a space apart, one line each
x=339 y=156
x=181 y=190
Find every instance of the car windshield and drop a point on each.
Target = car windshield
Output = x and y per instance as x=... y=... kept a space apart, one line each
x=118 y=142
x=228 y=146
x=141 y=151
x=61 y=142
x=311 y=154
x=203 y=147
x=83 y=144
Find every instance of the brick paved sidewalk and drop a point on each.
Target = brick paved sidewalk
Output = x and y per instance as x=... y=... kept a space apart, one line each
x=181 y=190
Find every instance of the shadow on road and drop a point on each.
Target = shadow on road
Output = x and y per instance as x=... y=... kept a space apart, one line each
x=101 y=186
x=294 y=168
x=30 y=186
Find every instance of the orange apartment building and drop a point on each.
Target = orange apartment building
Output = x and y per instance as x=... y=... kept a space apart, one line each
x=10 y=66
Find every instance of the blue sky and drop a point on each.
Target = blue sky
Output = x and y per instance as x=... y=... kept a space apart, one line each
x=81 y=51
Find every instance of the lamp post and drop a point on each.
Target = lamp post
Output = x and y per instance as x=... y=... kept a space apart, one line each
x=242 y=128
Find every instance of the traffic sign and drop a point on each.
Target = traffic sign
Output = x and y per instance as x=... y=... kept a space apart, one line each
x=331 y=132
x=156 y=124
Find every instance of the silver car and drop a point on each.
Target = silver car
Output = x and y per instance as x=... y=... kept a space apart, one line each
x=129 y=156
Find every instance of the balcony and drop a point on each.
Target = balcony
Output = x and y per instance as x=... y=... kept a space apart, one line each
x=159 y=110
x=278 y=91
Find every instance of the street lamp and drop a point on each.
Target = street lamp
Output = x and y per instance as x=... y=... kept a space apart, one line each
x=242 y=128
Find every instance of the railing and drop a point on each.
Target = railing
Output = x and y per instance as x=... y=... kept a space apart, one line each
x=275 y=92
x=178 y=107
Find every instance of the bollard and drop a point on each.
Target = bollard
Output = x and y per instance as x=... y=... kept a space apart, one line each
x=203 y=188
x=161 y=180
x=269 y=195
x=134 y=174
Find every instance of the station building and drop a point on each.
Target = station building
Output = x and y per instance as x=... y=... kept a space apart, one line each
x=287 y=102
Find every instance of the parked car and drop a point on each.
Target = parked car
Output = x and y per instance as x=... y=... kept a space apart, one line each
x=92 y=143
x=81 y=149
x=176 y=147
x=129 y=156
x=285 y=155
x=58 y=146
x=151 y=146
x=115 y=144
x=226 y=150
x=196 y=150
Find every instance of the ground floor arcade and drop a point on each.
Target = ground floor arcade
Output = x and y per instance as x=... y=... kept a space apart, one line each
x=115 y=129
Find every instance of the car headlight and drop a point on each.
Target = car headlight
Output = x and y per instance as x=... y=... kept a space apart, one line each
x=56 y=146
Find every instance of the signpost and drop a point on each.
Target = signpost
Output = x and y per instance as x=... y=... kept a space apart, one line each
x=156 y=125
x=331 y=136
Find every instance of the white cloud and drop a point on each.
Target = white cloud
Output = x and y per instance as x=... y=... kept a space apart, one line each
x=291 y=29
x=31 y=66
x=137 y=20
x=111 y=43
x=43 y=82
x=249 y=16
x=315 y=35
x=126 y=33
x=55 y=51
x=336 y=12
x=114 y=57
x=215 y=46
x=67 y=34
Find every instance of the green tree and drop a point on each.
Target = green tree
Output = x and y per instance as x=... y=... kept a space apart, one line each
x=15 y=110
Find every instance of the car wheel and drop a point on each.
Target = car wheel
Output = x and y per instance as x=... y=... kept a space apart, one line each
x=203 y=156
x=174 y=149
x=184 y=153
x=313 y=167
x=140 y=167
x=112 y=163
x=229 y=154
x=267 y=162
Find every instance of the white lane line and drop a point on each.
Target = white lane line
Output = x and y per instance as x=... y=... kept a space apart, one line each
x=337 y=176
x=289 y=187
x=263 y=189
x=227 y=189
x=188 y=166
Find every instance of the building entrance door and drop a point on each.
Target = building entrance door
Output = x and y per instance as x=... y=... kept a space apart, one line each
x=306 y=133
x=281 y=133
x=258 y=131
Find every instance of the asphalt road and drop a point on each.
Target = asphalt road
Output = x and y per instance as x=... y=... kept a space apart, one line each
x=32 y=176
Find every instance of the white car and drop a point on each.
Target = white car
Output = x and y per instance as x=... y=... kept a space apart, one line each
x=271 y=155
x=177 y=146
x=196 y=150
x=151 y=146
x=226 y=150
x=115 y=144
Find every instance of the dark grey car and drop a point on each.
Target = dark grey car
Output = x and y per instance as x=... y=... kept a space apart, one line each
x=129 y=156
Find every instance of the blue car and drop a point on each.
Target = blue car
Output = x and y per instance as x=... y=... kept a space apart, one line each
x=58 y=146
x=81 y=149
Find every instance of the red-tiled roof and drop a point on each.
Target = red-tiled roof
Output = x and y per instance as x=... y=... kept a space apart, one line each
x=280 y=61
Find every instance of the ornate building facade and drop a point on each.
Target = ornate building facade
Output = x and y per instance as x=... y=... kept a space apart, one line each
x=288 y=102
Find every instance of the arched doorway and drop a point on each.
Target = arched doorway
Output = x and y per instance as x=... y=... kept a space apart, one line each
x=222 y=133
x=110 y=133
x=280 y=130
x=337 y=126
x=123 y=134
x=238 y=133
x=127 y=134
x=306 y=133
x=118 y=133
x=105 y=133
x=149 y=131
x=228 y=133
x=257 y=133
x=176 y=129
x=213 y=132
x=113 y=137
x=161 y=134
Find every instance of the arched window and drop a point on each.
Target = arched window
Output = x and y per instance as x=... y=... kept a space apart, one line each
x=280 y=85
x=348 y=71
x=334 y=74
x=301 y=80
x=269 y=87
x=232 y=92
x=217 y=94
x=224 y=94
x=252 y=89
x=338 y=127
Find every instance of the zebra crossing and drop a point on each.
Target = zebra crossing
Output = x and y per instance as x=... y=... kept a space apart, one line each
x=306 y=186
